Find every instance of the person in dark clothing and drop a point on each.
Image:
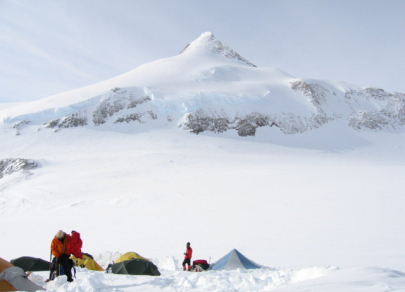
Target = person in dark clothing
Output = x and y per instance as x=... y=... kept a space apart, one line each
x=187 y=257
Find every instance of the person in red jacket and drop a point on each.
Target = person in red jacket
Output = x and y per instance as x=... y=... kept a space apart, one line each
x=75 y=245
x=187 y=257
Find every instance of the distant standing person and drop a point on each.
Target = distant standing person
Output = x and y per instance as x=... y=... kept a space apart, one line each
x=187 y=257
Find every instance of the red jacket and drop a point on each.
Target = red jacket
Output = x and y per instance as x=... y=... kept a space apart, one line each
x=75 y=245
x=189 y=253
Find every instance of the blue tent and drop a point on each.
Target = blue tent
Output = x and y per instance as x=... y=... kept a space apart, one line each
x=234 y=260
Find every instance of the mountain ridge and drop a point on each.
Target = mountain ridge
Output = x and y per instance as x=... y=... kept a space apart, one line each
x=209 y=87
x=207 y=41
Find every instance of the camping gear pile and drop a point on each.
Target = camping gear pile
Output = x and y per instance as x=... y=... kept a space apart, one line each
x=200 y=266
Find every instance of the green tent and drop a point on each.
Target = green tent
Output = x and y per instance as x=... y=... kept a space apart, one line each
x=135 y=267
x=31 y=264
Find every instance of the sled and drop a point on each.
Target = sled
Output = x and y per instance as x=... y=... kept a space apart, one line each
x=200 y=266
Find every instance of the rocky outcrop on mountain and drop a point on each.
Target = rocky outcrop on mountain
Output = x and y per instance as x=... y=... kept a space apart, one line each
x=112 y=104
x=201 y=121
x=130 y=118
x=315 y=93
x=12 y=165
x=363 y=109
x=18 y=126
x=246 y=125
x=370 y=120
x=74 y=120
x=390 y=111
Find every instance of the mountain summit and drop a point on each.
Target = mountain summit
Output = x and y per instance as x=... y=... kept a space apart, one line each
x=210 y=87
x=207 y=41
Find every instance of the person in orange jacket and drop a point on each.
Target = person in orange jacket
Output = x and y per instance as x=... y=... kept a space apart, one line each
x=59 y=248
x=187 y=257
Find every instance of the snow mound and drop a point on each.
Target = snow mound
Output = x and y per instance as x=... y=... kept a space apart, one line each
x=106 y=258
x=91 y=282
x=168 y=263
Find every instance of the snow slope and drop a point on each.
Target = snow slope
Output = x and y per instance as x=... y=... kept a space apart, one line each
x=297 y=197
x=210 y=87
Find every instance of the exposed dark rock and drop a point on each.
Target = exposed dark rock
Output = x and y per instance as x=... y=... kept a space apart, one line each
x=11 y=165
x=246 y=125
x=133 y=102
x=130 y=118
x=106 y=109
x=152 y=115
x=315 y=92
x=369 y=120
x=392 y=110
x=199 y=121
x=78 y=119
x=115 y=103
x=18 y=126
x=52 y=123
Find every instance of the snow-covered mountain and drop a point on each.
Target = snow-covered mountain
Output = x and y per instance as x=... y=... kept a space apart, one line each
x=304 y=177
x=210 y=87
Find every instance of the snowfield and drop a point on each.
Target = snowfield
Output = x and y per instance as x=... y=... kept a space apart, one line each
x=308 y=184
x=303 y=209
x=308 y=279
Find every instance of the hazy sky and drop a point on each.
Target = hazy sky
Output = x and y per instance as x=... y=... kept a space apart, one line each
x=48 y=46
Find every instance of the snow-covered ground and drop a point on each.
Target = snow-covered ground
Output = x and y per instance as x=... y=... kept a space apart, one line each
x=321 y=208
x=314 y=279
x=304 y=209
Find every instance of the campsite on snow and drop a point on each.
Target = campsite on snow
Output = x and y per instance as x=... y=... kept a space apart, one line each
x=279 y=183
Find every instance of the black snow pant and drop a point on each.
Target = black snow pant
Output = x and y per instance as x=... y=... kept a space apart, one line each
x=187 y=261
x=63 y=260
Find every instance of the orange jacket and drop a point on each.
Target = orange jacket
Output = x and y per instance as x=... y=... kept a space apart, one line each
x=188 y=253
x=58 y=248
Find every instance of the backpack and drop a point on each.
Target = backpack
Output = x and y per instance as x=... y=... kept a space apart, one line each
x=201 y=265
